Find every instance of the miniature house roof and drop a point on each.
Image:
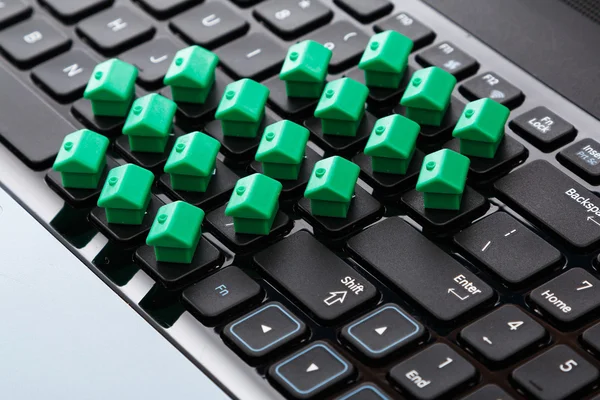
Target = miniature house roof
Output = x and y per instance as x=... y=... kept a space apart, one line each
x=176 y=225
x=112 y=80
x=430 y=89
x=193 y=154
x=394 y=136
x=126 y=187
x=306 y=61
x=342 y=99
x=192 y=67
x=483 y=121
x=283 y=142
x=82 y=152
x=243 y=101
x=151 y=115
x=386 y=52
x=333 y=179
x=254 y=197
x=444 y=172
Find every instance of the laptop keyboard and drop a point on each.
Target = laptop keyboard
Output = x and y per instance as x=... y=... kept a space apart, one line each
x=497 y=300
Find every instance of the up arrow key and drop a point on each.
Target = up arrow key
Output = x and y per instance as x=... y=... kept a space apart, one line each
x=381 y=331
x=312 y=368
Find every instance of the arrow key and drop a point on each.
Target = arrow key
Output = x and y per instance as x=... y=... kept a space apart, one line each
x=383 y=332
x=264 y=330
x=311 y=372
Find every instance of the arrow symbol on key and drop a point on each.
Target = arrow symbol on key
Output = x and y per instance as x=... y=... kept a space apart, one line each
x=593 y=220
x=381 y=331
x=451 y=290
x=312 y=368
x=265 y=328
x=335 y=297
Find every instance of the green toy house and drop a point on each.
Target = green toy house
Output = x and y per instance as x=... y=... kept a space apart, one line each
x=191 y=163
x=281 y=149
x=305 y=69
x=480 y=128
x=385 y=59
x=175 y=232
x=111 y=88
x=254 y=204
x=342 y=106
x=191 y=74
x=428 y=95
x=126 y=194
x=242 y=108
x=442 y=179
x=149 y=123
x=331 y=187
x=392 y=144
x=81 y=159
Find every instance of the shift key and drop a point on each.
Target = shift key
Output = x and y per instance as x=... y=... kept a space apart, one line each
x=314 y=275
x=555 y=201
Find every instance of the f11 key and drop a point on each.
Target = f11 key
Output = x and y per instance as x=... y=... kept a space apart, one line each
x=554 y=200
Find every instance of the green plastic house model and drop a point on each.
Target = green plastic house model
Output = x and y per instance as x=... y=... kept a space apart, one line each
x=428 y=95
x=149 y=123
x=242 y=108
x=342 y=106
x=481 y=128
x=331 y=187
x=191 y=163
x=175 y=232
x=192 y=74
x=111 y=88
x=126 y=194
x=81 y=159
x=254 y=204
x=305 y=69
x=281 y=149
x=442 y=179
x=385 y=59
x=392 y=144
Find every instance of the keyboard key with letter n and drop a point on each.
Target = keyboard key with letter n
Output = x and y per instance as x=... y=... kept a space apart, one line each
x=314 y=275
x=431 y=277
x=32 y=129
x=554 y=200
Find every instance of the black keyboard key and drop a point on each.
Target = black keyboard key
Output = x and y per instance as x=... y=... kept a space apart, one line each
x=472 y=206
x=591 y=338
x=447 y=56
x=382 y=98
x=555 y=201
x=115 y=30
x=291 y=107
x=568 y=297
x=493 y=86
x=334 y=288
x=35 y=140
x=13 y=11
x=434 y=372
x=147 y=160
x=543 y=128
x=410 y=27
x=108 y=126
x=430 y=276
x=66 y=76
x=70 y=11
x=383 y=332
x=292 y=18
x=583 y=158
x=346 y=42
x=508 y=248
x=255 y=56
x=174 y=276
x=557 y=374
x=503 y=334
x=341 y=144
x=166 y=8
x=152 y=60
x=265 y=330
x=509 y=154
x=365 y=11
x=311 y=372
x=221 y=294
x=366 y=391
x=209 y=25
x=489 y=392
x=32 y=42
